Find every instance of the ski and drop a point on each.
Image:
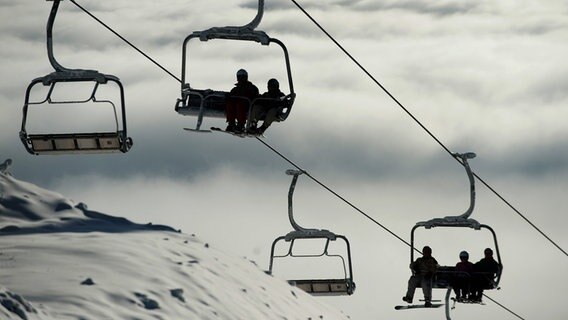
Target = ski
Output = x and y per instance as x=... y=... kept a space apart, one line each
x=196 y=130
x=240 y=135
x=468 y=301
x=418 y=306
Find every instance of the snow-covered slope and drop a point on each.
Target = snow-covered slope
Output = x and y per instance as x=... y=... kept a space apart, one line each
x=59 y=260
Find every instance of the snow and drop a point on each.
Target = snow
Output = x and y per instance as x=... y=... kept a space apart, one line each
x=61 y=260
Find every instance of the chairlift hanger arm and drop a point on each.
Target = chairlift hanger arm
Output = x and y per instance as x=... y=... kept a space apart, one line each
x=61 y=73
x=295 y=225
x=50 y=23
x=462 y=220
x=256 y=21
x=464 y=157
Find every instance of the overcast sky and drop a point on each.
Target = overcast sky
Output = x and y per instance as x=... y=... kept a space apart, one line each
x=483 y=76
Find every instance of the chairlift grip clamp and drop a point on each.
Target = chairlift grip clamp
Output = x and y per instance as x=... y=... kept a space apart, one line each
x=292 y=172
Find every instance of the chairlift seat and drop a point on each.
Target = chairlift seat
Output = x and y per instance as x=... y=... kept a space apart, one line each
x=82 y=142
x=445 y=274
x=325 y=287
x=443 y=277
x=212 y=104
x=283 y=104
x=99 y=142
x=490 y=277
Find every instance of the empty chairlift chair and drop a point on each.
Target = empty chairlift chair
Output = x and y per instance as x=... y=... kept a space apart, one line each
x=443 y=277
x=211 y=103
x=342 y=285
x=105 y=141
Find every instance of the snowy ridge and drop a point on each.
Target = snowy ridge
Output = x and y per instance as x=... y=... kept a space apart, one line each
x=59 y=260
x=28 y=209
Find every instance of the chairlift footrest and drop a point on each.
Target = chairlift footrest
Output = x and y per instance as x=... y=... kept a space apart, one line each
x=106 y=142
x=325 y=286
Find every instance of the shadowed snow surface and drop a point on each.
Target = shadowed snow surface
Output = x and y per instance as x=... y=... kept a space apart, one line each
x=59 y=260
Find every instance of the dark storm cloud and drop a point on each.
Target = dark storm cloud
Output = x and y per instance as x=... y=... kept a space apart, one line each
x=282 y=25
x=158 y=151
x=172 y=40
x=30 y=34
x=537 y=28
x=91 y=6
x=539 y=158
x=436 y=8
x=76 y=30
x=8 y=4
x=27 y=27
x=286 y=4
x=279 y=27
x=375 y=19
x=71 y=28
x=268 y=5
x=552 y=89
x=362 y=158
x=166 y=150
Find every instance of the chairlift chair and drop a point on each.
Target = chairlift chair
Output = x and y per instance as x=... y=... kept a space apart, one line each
x=319 y=287
x=75 y=142
x=210 y=103
x=442 y=279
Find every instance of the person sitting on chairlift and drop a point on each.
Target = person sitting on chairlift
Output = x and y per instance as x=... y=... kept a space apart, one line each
x=484 y=270
x=461 y=280
x=238 y=102
x=267 y=107
x=423 y=270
